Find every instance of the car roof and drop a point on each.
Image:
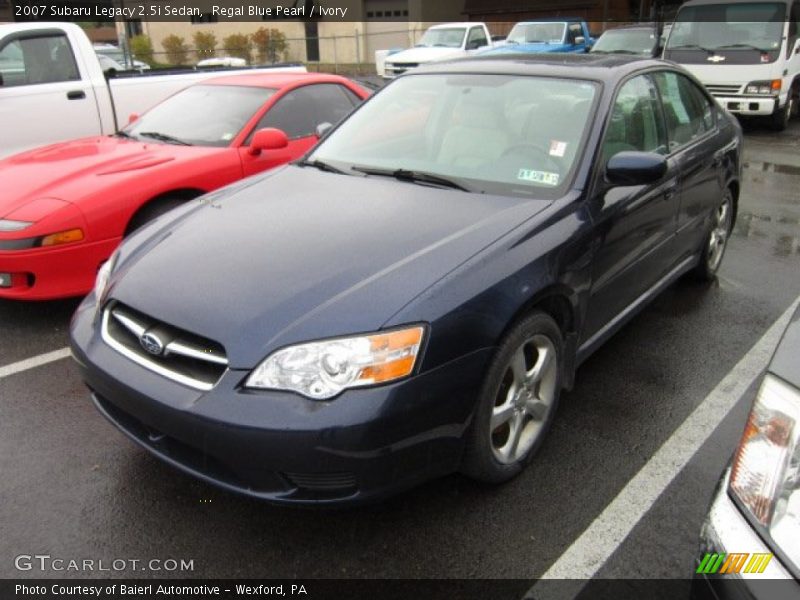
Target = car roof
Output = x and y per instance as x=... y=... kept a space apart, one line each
x=552 y=20
x=273 y=80
x=598 y=67
x=459 y=24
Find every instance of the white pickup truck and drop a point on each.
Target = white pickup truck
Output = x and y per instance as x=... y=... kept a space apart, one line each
x=440 y=42
x=52 y=87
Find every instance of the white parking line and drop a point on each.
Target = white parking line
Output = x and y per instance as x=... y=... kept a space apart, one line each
x=596 y=544
x=34 y=361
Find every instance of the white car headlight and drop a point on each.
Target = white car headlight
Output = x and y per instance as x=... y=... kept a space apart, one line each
x=8 y=225
x=765 y=475
x=320 y=370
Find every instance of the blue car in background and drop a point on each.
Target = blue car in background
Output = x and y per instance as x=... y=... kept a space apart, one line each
x=547 y=35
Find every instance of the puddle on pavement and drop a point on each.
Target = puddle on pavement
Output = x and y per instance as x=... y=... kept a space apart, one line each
x=773 y=213
x=768 y=167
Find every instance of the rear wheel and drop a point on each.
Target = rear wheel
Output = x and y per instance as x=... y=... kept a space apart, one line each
x=518 y=401
x=717 y=239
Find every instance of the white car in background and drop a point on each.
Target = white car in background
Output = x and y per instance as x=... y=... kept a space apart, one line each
x=440 y=42
x=224 y=61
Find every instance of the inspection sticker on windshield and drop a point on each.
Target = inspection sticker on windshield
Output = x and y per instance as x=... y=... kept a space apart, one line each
x=558 y=148
x=543 y=177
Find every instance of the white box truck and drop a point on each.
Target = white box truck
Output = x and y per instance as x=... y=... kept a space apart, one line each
x=746 y=53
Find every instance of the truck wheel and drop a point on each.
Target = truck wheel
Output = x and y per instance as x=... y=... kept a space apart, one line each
x=782 y=116
x=152 y=211
x=517 y=402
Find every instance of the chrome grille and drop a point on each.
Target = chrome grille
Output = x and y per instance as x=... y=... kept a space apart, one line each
x=184 y=357
x=723 y=89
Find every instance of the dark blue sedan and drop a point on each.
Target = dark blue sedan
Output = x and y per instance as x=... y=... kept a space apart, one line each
x=410 y=299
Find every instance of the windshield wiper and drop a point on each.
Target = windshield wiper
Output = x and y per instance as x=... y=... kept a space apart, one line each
x=751 y=46
x=690 y=47
x=124 y=134
x=321 y=165
x=414 y=177
x=163 y=137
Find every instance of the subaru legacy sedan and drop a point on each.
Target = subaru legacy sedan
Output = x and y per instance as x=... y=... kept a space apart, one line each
x=410 y=298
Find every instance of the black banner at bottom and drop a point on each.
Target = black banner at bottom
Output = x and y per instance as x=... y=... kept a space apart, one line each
x=398 y=589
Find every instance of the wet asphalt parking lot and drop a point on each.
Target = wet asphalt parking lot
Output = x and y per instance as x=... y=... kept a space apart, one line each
x=73 y=487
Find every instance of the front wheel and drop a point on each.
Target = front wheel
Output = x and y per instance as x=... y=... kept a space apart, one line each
x=782 y=116
x=517 y=402
x=717 y=239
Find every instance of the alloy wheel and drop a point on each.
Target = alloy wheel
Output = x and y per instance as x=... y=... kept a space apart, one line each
x=524 y=399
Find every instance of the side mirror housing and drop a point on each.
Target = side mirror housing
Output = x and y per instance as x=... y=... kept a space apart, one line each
x=268 y=138
x=322 y=129
x=579 y=40
x=635 y=168
x=133 y=117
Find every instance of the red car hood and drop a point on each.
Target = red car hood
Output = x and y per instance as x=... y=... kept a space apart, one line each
x=70 y=170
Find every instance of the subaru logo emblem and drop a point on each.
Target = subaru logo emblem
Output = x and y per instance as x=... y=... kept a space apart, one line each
x=151 y=343
x=716 y=58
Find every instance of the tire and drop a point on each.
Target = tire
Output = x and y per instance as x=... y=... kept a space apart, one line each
x=517 y=402
x=152 y=211
x=716 y=241
x=781 y=117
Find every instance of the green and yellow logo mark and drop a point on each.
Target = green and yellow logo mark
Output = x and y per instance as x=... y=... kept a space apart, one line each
x=723 y=563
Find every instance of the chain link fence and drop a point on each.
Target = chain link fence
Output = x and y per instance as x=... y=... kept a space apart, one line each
x=345 y=54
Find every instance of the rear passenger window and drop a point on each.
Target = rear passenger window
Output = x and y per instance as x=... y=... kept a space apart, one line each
x=30 y=61
x=688 y=111
x=635 y=123
x=300 y=111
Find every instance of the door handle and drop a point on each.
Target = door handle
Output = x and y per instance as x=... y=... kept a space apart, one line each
x=76 y=95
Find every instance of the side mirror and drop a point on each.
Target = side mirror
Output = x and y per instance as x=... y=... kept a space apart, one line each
x=268 y=139
x=474 y=45
x=635 y=168
x=322 y=129
x=580 y=40
x=133 y=117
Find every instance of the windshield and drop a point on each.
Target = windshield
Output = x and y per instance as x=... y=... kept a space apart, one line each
x=537 y=33
x=510 y=135
x=626 y=41
x=203 y=115
x=450 y=37
x=714 y=27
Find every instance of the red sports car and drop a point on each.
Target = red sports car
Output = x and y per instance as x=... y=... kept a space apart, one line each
x=64 y=208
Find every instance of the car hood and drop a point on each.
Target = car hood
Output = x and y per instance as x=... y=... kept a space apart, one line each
x=70 y=170
x=298 y=255
x=785 y=361
x=527 y=48
x=424 y=54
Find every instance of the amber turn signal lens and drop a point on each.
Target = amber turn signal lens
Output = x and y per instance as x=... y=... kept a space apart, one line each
x=62 y=237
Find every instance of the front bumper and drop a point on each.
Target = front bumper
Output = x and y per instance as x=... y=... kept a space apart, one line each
x=49 y=273
x=726 y=530
x=748 y=106
x=278 y=446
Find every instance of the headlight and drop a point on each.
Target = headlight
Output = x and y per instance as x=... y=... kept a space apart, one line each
x=8 y=225
x=103 y=275
x=320 y=370
x=764 y=88
x=764 y=476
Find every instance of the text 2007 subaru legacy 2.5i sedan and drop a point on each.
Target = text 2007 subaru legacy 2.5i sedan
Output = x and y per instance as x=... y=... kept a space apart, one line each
x=410 y=299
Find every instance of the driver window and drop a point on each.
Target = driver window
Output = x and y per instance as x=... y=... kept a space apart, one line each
x=46 y=59
x=477 y=38
x=634 y=124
